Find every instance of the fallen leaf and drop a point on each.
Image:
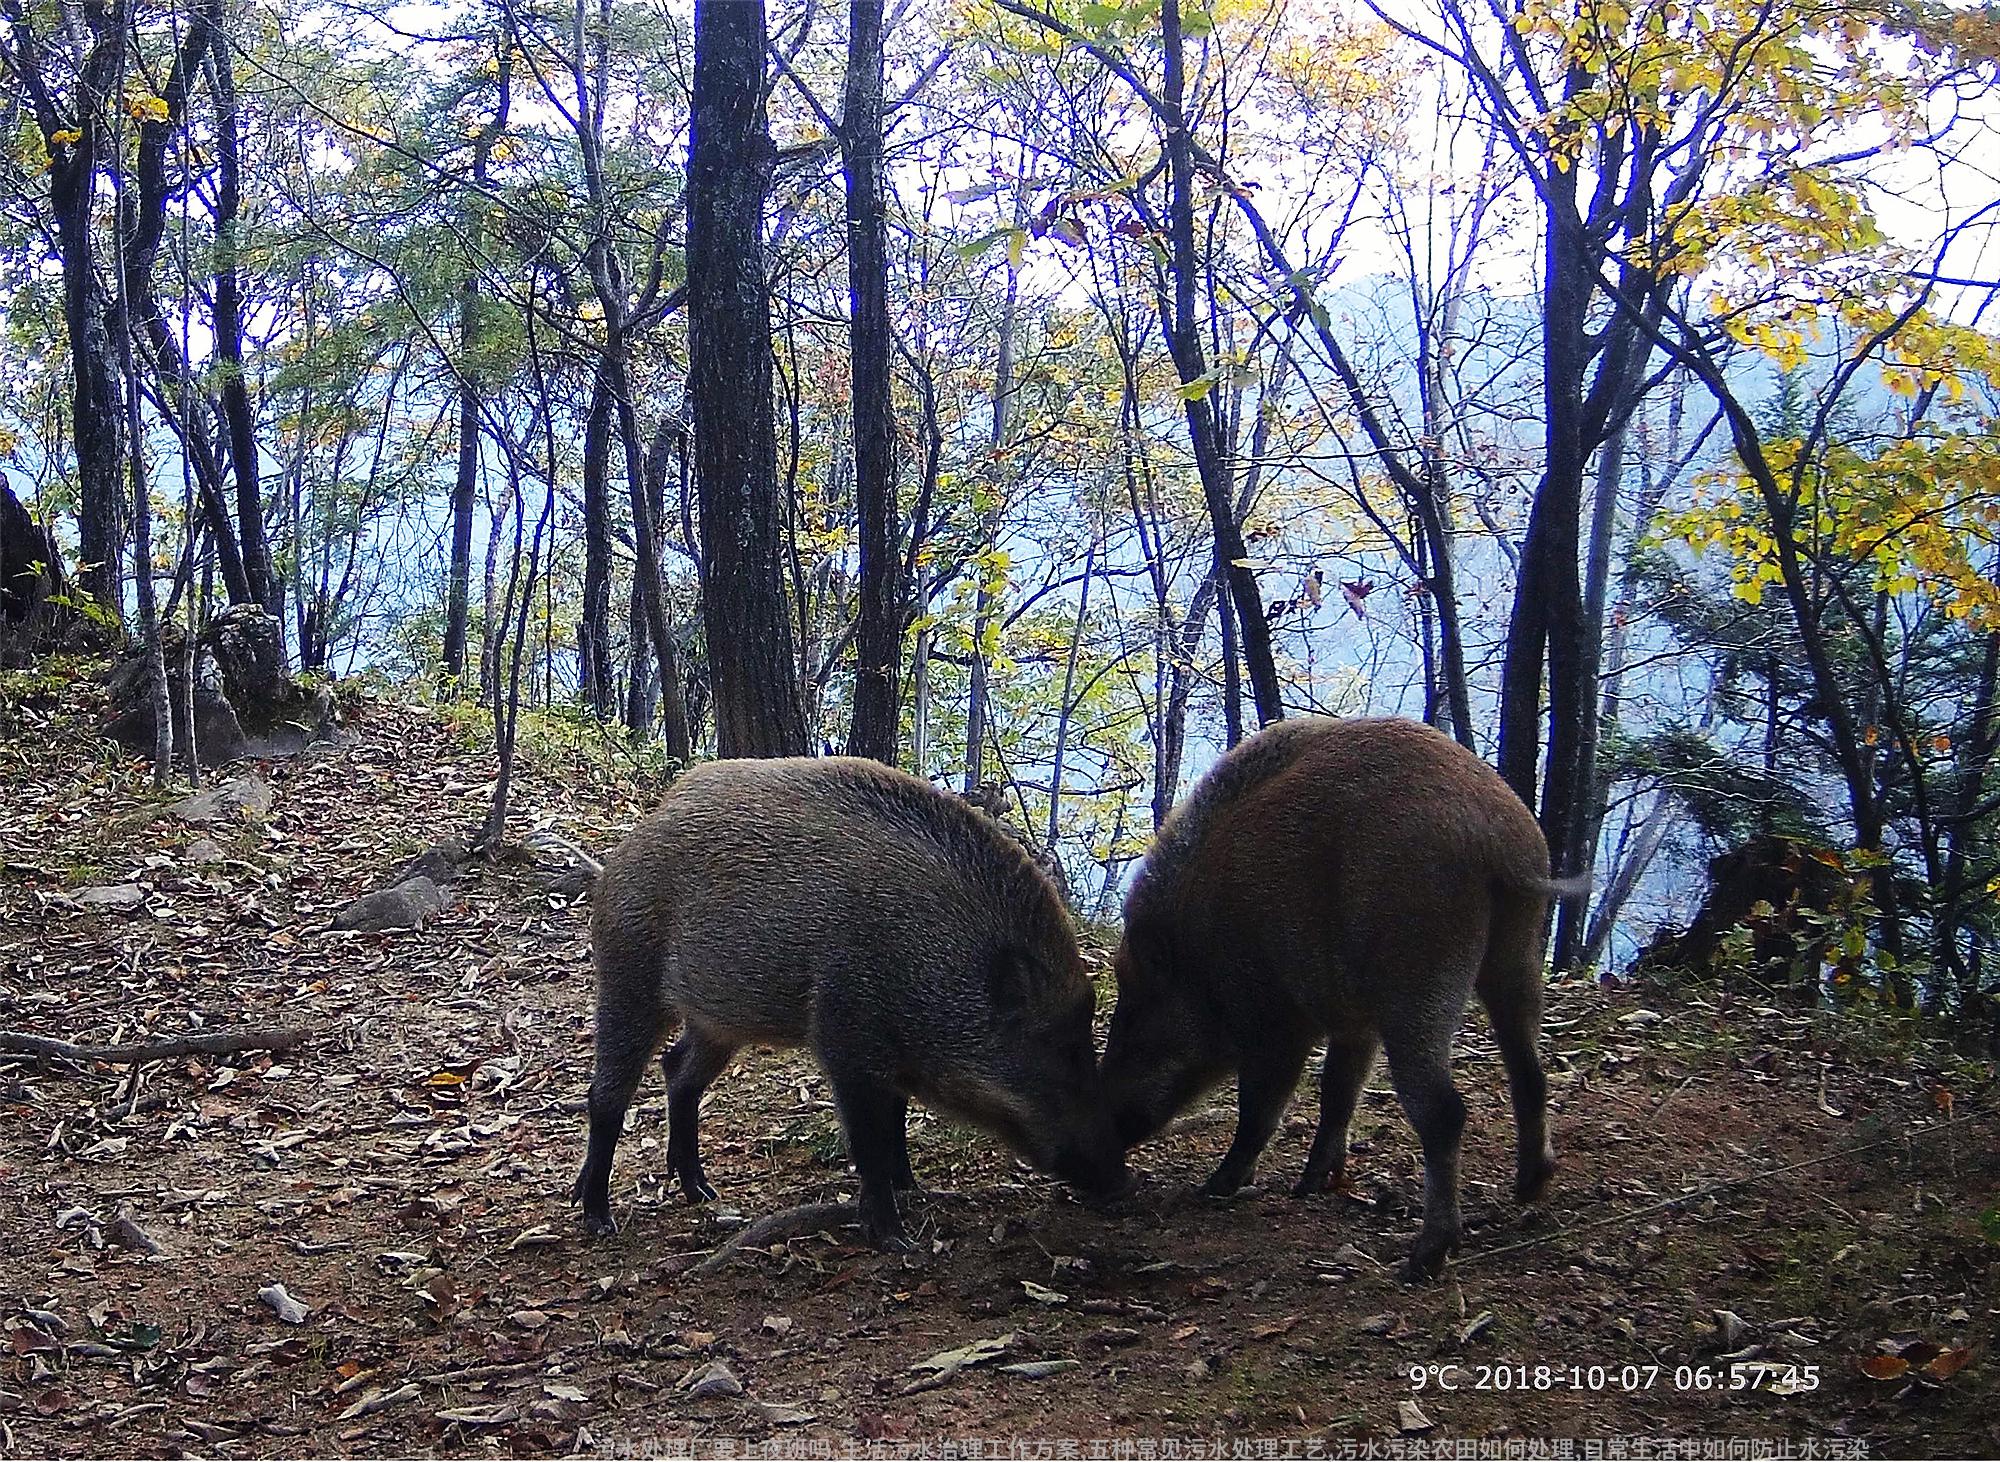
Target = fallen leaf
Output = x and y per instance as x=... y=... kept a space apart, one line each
x=715 y=1379
x=1410 y=1419
x=1949 y=1363
x=1041 y=1294
x=283 y=1305
x=980 y=1352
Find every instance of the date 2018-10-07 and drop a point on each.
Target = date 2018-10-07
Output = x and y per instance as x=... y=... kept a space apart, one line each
x=1777 y=1379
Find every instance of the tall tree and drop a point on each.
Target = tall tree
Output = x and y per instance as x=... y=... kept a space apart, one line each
x=878 y=635
x=74 y=130
x=1232 y=563
x=752 y=667
x=465 y=485
x=261 y=578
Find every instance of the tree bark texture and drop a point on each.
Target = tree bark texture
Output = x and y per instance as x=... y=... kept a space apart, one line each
x=752 y=667
x=878 y=635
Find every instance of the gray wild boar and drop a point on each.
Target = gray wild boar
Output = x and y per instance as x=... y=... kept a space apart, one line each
x=848 y=907
x=1353 y=880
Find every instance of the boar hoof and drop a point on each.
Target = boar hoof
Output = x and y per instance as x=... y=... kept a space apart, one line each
x=888 y=1240
x=882 y=1230
x=1427 y=1261
x=1309 y=1186
x=1220 y=1187
x=697 y=1189
x=1532 y=1181
x=600 y=1225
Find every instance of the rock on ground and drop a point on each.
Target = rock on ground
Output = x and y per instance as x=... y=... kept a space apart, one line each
x=244 y=794
x=405 y=906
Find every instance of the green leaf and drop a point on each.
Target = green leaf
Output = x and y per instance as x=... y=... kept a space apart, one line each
x=986 y=241
x=1196 y=389
x=1197 y=23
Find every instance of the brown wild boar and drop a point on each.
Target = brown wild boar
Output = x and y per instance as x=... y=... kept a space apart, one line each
x=851 y=908
x=1352 y=880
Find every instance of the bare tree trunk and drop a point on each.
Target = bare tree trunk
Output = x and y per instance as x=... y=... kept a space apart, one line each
x=1180 y=685
x=1067 y=706
x=507 y=708
x=1184 y=343
x=1232 y=669
x=642 y=671
x=593 y=630
x=652 y=591
x=752 y=667
x=142 y=515
x=1586 y=807
x=491 y=631
x=464 y=487
x=1631 y=868
x=878 y=634
x=77 y=144
x=260 y=574
x=978 y=706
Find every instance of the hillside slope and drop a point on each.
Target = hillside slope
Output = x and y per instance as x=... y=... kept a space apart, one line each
x=404 y=1176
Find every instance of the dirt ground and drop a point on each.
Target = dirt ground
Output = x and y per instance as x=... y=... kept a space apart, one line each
x=1807 y=1196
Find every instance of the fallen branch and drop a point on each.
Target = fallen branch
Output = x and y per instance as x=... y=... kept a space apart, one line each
x=202 y=1043
x=787 y=1223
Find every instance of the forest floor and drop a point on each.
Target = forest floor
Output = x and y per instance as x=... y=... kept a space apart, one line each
x=404 y=1176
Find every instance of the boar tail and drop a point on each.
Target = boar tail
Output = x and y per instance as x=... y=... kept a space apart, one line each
x=543 y=838
x=1564 y=888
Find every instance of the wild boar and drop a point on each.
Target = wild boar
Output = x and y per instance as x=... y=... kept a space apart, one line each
x=856 y=910
x=1352 y=880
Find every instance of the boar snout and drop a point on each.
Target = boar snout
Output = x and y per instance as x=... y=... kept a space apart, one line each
x=1099 y=1174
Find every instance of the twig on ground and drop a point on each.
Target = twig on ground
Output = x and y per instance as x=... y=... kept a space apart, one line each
x=466 y=1375
x=201 y=1043
x=787 y=1223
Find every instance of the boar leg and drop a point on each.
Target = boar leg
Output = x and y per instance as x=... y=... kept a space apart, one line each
x=1349 y=1059
x=872 y=1115
x=692 y=1062
x=629 y=1022
x=1420 y=1067
x=1264 y=1083
x=1510 y=987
